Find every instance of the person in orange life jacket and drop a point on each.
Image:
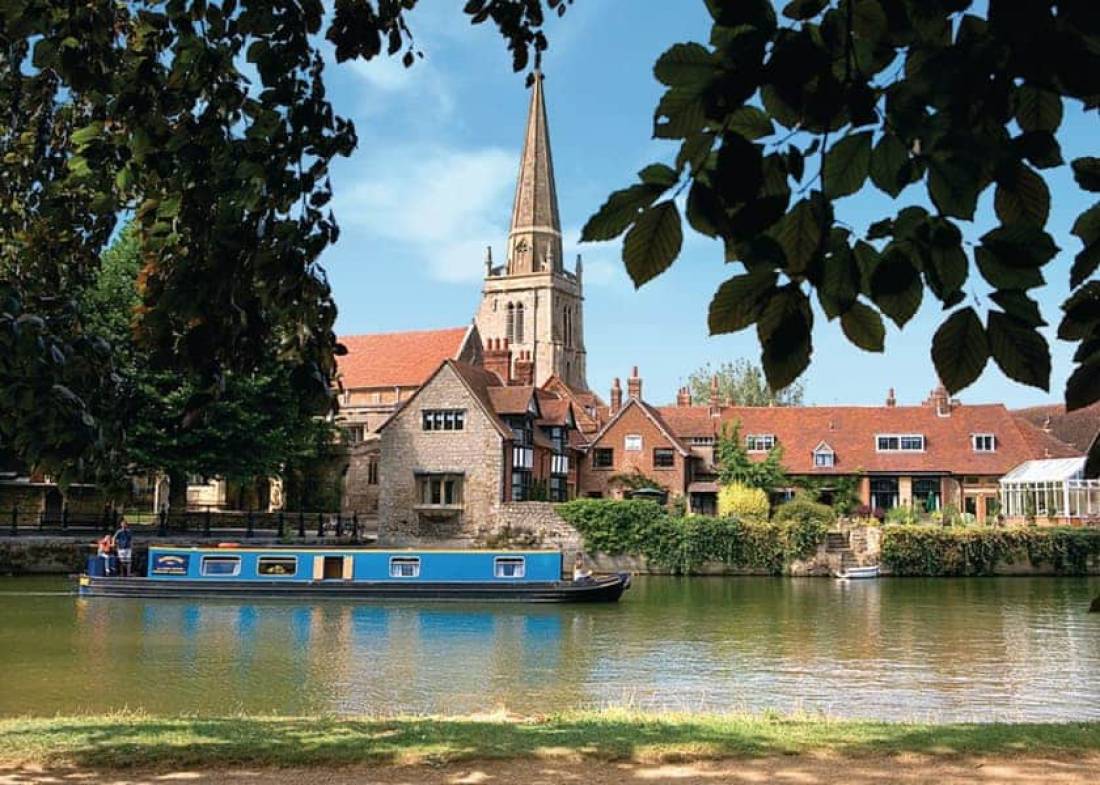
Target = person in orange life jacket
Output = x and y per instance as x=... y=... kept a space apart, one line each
x=103 y=551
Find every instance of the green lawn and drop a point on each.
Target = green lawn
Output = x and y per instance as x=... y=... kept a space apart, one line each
x=139 y=740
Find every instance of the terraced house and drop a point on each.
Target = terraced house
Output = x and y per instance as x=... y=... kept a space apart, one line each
x=939 y=452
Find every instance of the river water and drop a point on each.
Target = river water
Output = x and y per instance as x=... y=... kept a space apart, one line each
x=902 y=649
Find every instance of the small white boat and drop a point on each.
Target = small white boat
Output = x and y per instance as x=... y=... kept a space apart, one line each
x=857 y=573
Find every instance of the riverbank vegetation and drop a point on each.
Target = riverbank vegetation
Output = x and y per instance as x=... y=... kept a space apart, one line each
x=681 y=544
x=927 y=550
x=127 y=740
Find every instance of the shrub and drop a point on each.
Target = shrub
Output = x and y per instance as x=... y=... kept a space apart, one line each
x=804 y=524
x=741 y=501
x=910 y=550
x=905 y=515
x=683 y=544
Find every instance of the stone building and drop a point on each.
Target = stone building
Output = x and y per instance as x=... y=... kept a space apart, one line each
x=531 y=300
x=469 y=443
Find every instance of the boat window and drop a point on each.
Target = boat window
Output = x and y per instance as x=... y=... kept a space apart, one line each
x=509 y=567
x=277 y=565
x=405 y=567
x=221 y=565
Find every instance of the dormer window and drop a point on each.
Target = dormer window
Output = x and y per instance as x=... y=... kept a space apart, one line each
x=759 y=442
x=983 y=442
x=824 y=457
x=899 y=442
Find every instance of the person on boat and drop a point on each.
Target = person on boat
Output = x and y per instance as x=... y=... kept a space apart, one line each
x=123 y=542
x=103 y=551
x=581 y=573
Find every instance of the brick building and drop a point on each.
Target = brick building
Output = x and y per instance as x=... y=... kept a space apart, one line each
x=936 y=453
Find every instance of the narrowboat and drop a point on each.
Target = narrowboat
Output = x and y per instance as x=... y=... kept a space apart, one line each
x=235 y=572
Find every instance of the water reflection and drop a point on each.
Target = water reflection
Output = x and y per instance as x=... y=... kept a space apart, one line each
x=900 y=649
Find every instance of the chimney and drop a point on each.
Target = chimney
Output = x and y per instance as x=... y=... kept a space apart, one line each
x=525 y=370
x=683 y=397
x=634 y=385
x=616 y=396
x=941 y=401
x=715 y=403
x=891 y=399
x=498 y=359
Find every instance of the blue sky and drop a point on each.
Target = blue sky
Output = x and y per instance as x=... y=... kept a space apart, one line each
x=432 y=181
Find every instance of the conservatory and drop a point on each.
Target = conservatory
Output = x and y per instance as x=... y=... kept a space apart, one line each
x=1050 y=488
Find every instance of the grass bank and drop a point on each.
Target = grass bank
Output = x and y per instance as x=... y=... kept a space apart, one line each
x=123 y=740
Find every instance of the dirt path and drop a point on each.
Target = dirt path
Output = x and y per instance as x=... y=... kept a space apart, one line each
x=800 y=770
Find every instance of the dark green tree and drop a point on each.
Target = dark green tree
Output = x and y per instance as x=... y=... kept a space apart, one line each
x=735 y=465
x=742 y=383
x=776 y=120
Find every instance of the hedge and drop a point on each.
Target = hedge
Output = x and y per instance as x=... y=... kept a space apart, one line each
x=682 y=544
x=925 y=550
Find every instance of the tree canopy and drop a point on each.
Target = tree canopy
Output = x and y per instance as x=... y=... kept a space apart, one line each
x=776 y=118
x=741 y=383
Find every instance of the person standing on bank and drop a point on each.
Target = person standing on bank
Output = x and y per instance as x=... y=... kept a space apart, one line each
x=124 y=540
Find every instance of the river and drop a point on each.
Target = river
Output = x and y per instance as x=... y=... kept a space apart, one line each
x=978 y=649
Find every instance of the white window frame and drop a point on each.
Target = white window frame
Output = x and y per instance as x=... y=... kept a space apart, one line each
x=633 y=438
x=759 y=442
x=236 y=566
x=900 y=437
x=976 y=437
x=404 y=561
x=272 y=556
x=824 y=454
x=500 y=561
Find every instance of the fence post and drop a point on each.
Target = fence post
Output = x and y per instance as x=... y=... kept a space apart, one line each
x=248 y=531
x=282 y=525
x=339 y=526
x=320 y=525
x=14 y=520
x=301 y=524
x=41 y=519
x=206 y=523
x=162 y=525
x=64 y=517
x=355 y=527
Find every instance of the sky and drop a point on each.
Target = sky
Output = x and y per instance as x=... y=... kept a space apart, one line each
x=432 y=181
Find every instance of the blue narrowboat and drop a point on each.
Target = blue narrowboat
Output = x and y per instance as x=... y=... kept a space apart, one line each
x=236 y=572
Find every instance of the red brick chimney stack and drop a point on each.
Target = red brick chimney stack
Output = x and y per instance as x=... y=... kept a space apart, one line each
x=498 y=359
x=525 y=370
x=616 y=395
x=634 y=385
x=683 y=397
x=891 y=399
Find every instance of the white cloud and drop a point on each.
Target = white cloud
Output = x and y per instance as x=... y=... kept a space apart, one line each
x=442 y=204
x=602 y=263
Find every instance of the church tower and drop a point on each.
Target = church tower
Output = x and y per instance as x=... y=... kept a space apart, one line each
x=532 y=300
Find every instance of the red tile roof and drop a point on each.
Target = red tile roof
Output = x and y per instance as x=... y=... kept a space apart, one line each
x=851 y=430
x=511 y=400
x=397 y=359
x=1080 y=428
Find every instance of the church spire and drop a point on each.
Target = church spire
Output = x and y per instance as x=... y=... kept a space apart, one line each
x=534 y=241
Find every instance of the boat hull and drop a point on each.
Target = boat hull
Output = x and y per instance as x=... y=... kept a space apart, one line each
x=858 y=573
x=602 y=589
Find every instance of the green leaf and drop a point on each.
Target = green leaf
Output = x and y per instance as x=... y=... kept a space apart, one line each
x=1038 y=109
x=689 y=66
x=87 y=134
x=799 y=234
x=1024 y=198
x=750 y=122
x=804 y=9
x=1082 y=313
x=1016 y=303
x=620 y=210
x=896 y=287
x=784 y=329
x=1083 y=386
x=1019 y=349
x=739 y=301
x=1040 y=148
x=659 y=174
x=868 y=19
x=847 y=164
x=679 y=114
x=1006 y=276
x=953 y=187
x=1086 y=171
x=796 y=163
x=888 y=165
x=863 y=326
x=653 y=243
x=960 y=350
x=840 y=281
x=1020 y=245
x=1087 y=228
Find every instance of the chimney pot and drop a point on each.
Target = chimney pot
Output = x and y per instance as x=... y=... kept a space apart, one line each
x=634 y=385
x=616 y=395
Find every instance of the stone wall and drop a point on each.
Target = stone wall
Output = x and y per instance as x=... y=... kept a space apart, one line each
x=528 y=524
x=407 y=452
x=360 y=494
x=43 y=555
